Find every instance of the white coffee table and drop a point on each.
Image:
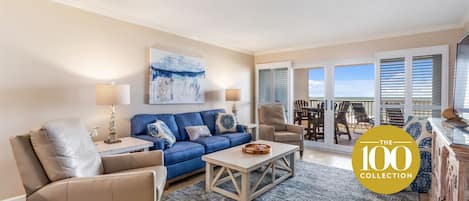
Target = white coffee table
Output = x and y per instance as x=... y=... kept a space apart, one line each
x=235 y=163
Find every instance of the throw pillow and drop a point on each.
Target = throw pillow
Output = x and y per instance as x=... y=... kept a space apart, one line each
x=159 y=129
x=152 y=129
x=421 y=130
x=66 y=150
x=225 y=123
x=195 y=132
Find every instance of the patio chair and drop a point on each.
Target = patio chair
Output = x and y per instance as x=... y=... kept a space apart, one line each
x=361 y=117
x=395 y=117
x=300 y=112
x=317 y=122
x=341 y=118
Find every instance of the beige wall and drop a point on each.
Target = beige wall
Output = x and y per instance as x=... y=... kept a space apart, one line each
x=51 y=57
x=300 y=84
x=365 y=50
x=466 y=27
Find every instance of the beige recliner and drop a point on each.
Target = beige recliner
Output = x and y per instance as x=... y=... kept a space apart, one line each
x=273 y=126
x=127 y=177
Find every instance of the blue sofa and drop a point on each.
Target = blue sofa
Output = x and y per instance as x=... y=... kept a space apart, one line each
x=185 y=156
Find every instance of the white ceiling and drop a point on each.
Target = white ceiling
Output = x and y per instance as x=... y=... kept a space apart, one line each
x=262 y=26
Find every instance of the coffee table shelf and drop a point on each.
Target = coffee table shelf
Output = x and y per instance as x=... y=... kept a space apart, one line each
x=234 y=163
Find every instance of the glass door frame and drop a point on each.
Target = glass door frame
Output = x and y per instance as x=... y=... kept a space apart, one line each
x=329 y=97
x=408 y=55
x=276 y=65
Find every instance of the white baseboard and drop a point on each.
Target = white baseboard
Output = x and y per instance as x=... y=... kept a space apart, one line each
x=17 y=198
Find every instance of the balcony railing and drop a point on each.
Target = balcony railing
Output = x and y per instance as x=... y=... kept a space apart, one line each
x=369 y=105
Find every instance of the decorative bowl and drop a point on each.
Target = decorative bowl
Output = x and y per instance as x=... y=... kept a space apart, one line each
x=255 y=148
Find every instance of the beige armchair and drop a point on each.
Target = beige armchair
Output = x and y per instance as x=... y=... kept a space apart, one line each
x=127 y=177
x=273 y=126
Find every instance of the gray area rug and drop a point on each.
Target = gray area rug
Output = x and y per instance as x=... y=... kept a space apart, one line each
x=311 y=182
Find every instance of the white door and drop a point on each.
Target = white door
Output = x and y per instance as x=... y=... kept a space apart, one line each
x=274 y=85
x=411 y=82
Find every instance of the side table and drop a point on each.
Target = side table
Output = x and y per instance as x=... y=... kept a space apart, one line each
x=128 y=145
x=253 y=128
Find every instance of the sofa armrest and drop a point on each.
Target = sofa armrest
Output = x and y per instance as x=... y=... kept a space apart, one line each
x=130 y=161
x=295 y=129
x=158 y=143
x=266 y=132
x=242 y=128
x=113 y=187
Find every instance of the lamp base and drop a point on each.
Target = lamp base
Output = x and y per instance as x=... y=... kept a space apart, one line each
x=109 y=141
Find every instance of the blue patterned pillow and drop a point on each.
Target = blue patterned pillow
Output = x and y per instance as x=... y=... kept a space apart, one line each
x=225 y=123
x=421 y=130
x=160 y=130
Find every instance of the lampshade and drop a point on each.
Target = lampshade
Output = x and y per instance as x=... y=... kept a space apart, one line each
x=232 y=94
x=110 y=94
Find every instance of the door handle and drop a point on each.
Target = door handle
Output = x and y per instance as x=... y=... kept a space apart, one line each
x=332 y=105
x=325 y=105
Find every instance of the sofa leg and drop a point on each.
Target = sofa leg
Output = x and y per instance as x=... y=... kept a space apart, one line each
x=166 y=186
x=301 y=154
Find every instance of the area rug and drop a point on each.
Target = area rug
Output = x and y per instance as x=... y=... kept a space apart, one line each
x=311 y=182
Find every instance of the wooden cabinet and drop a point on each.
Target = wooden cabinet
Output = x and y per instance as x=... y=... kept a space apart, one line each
x=450 y=163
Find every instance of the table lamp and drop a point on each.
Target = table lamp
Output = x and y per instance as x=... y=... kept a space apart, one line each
x=233 y=95
x=111 y=94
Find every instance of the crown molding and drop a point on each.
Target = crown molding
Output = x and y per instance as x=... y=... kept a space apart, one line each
x=361 y=39
x=93 y=8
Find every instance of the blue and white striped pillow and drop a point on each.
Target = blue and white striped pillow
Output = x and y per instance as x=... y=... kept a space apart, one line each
x=160 y=130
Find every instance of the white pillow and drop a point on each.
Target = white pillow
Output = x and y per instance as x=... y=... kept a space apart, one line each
x=195 y=132
x=66 y=150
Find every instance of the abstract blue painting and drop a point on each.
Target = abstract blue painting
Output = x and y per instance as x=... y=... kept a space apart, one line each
x=176 y=79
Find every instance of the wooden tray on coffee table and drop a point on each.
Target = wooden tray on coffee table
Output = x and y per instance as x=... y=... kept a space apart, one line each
x=255 y=148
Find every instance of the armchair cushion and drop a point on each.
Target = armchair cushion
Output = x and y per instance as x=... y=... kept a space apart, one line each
x=237 y=138
x=274 y=115
x=65 y=150
x=113 y=187
x=123 y=162
x=213 y=143
x=266 y=132
x=183 y=151
x=286 y=136
x=160 y=174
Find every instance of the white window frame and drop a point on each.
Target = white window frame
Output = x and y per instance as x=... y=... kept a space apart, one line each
x=408 y=55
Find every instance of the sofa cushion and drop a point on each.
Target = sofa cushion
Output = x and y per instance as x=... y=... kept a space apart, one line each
x=182 y=151
x=213 y=143
x=209 y=117
x=237 y=138
x=66 y=150
x=187 y=119
x=139 y=123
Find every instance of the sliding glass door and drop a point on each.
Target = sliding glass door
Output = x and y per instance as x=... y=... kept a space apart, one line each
x=411 y=82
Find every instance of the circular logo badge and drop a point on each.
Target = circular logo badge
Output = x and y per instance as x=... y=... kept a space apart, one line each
x=386 y=159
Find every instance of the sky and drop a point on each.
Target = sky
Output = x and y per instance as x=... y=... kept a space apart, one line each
x=349 y=81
